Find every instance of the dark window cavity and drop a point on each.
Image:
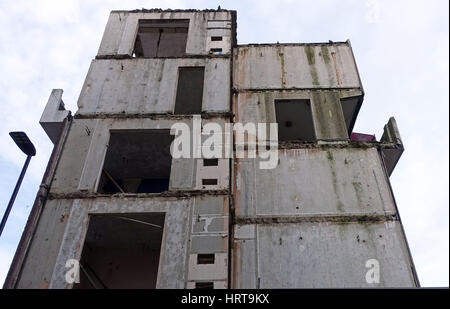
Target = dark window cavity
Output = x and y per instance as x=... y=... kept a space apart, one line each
x=295 y=122
x=137 y=162
x=121 y=251
x=161 y=38
x=189 y=91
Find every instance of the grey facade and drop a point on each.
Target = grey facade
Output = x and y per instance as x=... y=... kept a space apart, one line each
x=135 y=217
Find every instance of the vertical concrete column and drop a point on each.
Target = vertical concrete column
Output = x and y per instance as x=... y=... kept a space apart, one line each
x=208 y=256
x=329 y=121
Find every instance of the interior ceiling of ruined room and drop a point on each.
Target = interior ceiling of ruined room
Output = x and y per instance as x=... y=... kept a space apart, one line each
x=112 y=232
x=139 y=154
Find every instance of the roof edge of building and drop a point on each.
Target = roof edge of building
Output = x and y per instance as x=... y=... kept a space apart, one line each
x=159 y=10
x=292 y=44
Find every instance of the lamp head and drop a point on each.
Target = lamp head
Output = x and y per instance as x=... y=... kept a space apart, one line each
x=24 y=143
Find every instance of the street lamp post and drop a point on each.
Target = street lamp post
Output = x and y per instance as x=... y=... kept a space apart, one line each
x=24 y=143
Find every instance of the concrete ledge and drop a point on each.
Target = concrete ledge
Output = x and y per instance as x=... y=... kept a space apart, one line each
x=392 y=136
x=53 y=116
x=176 y=194
x=155 y=116
x=356 y=218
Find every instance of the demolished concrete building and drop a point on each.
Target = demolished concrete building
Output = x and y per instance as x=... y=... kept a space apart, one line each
x=115 y=204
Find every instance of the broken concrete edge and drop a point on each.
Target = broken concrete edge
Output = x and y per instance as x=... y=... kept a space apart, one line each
x=159 y=10
x=341 y=143
x=358 y=108
x=293 y=44
x=391 y=190
x=196 y=56
x=391 y=132
x=391 y=135
x=152 y=116
x=179 y=194
x=53 y=116
x=315 y=89
x=347 y=218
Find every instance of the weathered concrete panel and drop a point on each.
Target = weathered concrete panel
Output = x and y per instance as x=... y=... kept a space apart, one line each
x=245 y=273
x=295 y=66
x=182 y=174
x=173 y=259
x=92 y=164
x=210 y=218
x=325 y=255
x=209 y=243
x=391 y=134
x=211 y=205
x=329 y=121
x=90 y=140
x=68 y=172
x=92 y=167
x=220 y=173
x=257 y=107
x=120 y=32
x=53 y=115
x=149 y=85
x=38 y=266
x=314 y=181
x=215 y=272
x=113 y=33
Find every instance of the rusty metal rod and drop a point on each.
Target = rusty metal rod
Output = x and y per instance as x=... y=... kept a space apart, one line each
x=113 y=181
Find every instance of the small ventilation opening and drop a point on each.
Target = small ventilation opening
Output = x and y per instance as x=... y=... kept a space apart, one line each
x=205 y=258
x=216 y=50
x=295 y=122
x=204 y=285
x=209 y=182
x=137 y=162
x=210 y=162
x=216 y=38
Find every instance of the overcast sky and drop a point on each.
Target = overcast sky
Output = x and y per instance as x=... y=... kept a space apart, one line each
x=401 y=49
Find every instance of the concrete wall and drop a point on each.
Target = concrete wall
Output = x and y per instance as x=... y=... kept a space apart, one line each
x=327 y=114
x=315 y=220
x=319 y=255
x=193 y=225
x=84 y=153
x=314 y=182
x=150 y=85
x=327 y=209
x=295 y=66
x=126 y=93
x=45 y=244
x=121 y=29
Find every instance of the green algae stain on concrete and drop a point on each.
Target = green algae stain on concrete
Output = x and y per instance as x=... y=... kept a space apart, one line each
x=283 y=70
x=325 y=54
x=358 y=191
x=331 y=163
x=330 y=156
x=309 y=51
x=321 y=117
